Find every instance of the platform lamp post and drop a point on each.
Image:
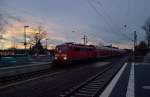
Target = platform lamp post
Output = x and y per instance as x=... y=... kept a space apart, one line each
x=134 y=40
x=25 y=41
x=46 y=43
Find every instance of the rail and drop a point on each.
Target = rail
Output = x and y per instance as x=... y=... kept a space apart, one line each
x=95 y=84
x=15 y=70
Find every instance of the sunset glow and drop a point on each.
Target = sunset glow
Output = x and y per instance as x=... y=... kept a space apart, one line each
x=60 y=25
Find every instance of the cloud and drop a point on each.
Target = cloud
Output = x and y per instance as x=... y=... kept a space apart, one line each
x=123 y=45
x=12 y=29
x=3 y=24
x=60 y=19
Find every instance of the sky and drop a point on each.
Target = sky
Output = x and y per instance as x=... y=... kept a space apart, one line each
x=68 y=20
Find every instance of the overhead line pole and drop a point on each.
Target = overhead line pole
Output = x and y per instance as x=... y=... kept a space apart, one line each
x=135 y=40
x=135 y=43
x=25 y=41
x=84 y=39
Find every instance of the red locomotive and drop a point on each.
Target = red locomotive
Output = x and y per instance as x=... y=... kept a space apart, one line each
x=71 y=52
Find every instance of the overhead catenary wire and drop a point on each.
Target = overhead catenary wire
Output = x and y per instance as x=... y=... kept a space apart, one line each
x=99 y=14
x=103 y=10
x=108 y=18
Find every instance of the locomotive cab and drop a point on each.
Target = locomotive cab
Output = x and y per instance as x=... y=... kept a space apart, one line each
x=72 y=53
x=62 y=54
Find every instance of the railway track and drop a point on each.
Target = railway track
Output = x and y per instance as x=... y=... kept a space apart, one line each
x=94 y=85
x=19 y=78
x=11 y=80
x=8 y=80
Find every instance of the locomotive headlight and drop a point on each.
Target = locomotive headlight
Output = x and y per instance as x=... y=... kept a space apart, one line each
x=65 y=57
x=56 y=58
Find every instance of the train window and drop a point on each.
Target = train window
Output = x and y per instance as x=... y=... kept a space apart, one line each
x=90 y=49
x=77 y=49
x=82 y=49
x=86 y=49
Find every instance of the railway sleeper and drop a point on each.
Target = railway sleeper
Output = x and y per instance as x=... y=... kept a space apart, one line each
x=82 y=95
x=99 y=80
x=89 y=89
x=92 y=87
x=95 y=83
x=86 y=92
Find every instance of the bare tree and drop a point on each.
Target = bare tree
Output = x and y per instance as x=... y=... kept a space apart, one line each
x=146 y=27
x=3 y=24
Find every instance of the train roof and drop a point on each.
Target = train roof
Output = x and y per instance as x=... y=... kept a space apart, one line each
x=75 y=44
x=109 y=48
x=89 y=46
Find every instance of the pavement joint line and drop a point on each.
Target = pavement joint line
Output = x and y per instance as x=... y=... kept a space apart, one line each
x=146 y=87
x=145 y=63
x=130 y=88
x=28 y=80
x=113 y=82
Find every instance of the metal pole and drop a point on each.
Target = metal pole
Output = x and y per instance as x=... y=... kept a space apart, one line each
x=46 y=43
x=135 y=43
x=135 y=39
x=25 y=36
x=148 y=36
x=84 y=39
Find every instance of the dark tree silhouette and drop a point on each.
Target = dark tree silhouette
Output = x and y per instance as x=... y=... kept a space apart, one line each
x=37 y=48
x=141 y=49
x=146 y=27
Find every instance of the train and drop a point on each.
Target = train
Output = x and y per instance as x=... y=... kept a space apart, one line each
x=72 y=52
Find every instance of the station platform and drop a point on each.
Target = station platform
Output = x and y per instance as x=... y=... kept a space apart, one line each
x=133 y=80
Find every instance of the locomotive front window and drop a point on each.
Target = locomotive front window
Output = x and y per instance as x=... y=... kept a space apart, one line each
x=62 y=49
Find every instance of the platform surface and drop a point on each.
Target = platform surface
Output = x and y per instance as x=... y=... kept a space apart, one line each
x=133 y=80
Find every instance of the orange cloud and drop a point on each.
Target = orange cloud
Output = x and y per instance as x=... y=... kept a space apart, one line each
x=15 y=33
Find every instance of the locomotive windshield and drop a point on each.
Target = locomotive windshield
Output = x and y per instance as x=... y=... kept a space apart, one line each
x=62 y=49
